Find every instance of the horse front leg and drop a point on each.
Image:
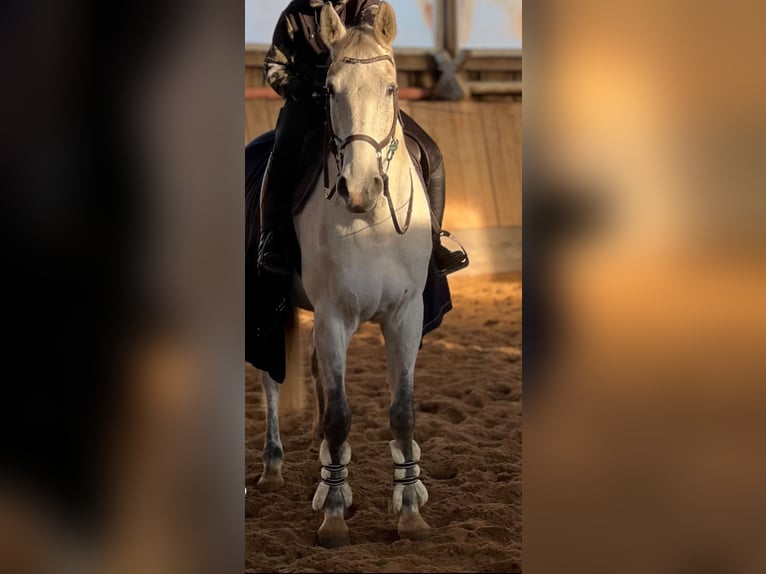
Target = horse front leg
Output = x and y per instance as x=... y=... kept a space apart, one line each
x=333 y=494
x=402 y=333
x=318 y=393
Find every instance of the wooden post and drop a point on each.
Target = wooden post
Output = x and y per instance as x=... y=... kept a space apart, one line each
x=438 y=24
x=449 y=85
x=449 y=25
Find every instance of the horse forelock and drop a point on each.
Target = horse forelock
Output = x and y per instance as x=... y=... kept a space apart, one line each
x=359 y=42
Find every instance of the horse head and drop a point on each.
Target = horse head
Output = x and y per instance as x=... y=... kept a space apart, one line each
x=363 y=104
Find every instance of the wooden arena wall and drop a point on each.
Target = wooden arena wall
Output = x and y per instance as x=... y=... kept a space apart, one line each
x=481 y=145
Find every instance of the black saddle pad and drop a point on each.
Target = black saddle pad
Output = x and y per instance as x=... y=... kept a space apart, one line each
x=267 y=295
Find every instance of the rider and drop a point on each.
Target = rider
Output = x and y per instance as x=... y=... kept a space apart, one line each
x=296 y=68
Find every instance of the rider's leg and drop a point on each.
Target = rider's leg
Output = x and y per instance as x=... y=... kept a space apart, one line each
x=295 y=120
x=443 y=261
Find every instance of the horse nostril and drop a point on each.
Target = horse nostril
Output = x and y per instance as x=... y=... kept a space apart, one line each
x=377 y=182
x=342 y=187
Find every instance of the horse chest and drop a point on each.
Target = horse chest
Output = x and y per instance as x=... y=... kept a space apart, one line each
x=358 y=265
x=365 y=288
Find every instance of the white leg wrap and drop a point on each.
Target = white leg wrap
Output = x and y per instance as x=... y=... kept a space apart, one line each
x=320 y=496
x=420 y=489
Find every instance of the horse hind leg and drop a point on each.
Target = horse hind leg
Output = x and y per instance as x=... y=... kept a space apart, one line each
x=402 y=335
x=273 y=454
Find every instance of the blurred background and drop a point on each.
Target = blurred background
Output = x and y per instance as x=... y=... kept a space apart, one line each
x=644 y=306
x=121 y=167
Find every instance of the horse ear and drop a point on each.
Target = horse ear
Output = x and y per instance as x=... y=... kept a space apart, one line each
x=331 y=28
x=385 y=24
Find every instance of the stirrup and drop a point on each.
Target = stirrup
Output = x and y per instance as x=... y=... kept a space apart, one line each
x=462 y=264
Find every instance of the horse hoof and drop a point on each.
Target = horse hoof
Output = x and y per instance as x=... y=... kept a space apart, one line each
x=413 y=527
x=333 y=532
x=270 y=481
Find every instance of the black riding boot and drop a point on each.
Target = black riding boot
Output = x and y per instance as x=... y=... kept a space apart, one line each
x=294 y=122
x=443 y=261
x=272 y=255
x=272 y=248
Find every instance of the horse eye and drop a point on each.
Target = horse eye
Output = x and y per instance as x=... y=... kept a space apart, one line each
x=330 y=90
x=391 y=89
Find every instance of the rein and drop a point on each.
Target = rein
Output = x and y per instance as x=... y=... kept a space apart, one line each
x=337 y=146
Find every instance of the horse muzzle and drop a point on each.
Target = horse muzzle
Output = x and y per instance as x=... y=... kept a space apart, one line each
x=360 y=198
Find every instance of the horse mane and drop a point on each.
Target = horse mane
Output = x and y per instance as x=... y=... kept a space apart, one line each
x=359 y=42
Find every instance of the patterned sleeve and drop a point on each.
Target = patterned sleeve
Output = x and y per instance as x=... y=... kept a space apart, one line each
x=278 y=64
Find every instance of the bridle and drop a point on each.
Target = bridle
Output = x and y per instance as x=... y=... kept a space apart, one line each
x=336 y=145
